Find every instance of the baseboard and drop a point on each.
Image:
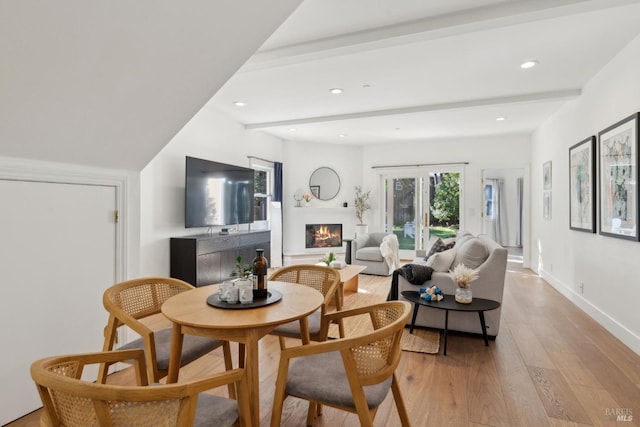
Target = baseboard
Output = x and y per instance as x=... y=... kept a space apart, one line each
x=618 y=330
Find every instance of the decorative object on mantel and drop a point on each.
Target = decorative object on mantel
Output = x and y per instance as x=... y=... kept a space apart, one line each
x=298 y=196
x=433 y=293
x=463 y=276
x=362 y=205
x=307 y=198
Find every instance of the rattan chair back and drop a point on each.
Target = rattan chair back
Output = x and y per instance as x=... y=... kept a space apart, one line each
x=130 y=302
x=368 y=360
x=324 y=279
x=71 y=401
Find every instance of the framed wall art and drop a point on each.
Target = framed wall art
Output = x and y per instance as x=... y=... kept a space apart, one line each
x=618 y=160
x=546 y=205
x=546 y=175
x=582 y=186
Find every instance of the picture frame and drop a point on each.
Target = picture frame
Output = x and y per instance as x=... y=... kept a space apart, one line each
x=546 y=205
x=582 y=185
x=618 y=176
x=315 y=190
x=546 y=176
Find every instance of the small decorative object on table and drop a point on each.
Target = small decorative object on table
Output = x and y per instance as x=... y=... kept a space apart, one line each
x=260 y=271
x=433 y=293
x=463 y=276
x=329 y=258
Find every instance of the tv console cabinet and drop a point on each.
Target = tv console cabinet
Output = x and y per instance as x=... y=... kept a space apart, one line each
x=205 y=259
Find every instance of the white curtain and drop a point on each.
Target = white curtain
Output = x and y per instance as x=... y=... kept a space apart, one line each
x=520 y=195
x=500 y=234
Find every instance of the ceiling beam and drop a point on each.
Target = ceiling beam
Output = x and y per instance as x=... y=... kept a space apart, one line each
x=431 y=28
x=484 y=102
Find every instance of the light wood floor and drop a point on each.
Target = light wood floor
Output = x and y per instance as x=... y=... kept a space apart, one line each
x=551 y=365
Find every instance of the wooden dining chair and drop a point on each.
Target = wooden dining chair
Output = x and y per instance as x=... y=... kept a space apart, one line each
x=324 y=279
x=136 y=304
x=353 y=374
x=73 y=401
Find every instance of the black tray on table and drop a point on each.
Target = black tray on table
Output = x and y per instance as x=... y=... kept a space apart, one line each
x=273 y=296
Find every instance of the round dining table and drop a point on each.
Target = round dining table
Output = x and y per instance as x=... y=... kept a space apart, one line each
x=191 y=314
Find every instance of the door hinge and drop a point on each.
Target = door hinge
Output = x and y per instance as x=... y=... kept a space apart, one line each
x=116 y=216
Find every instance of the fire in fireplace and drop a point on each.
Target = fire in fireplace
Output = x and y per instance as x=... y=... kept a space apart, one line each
x=323 y=236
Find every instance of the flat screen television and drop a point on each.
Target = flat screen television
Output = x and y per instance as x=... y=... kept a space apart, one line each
x=217 y=194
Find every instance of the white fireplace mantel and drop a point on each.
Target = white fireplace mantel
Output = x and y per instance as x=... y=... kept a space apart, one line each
x=296 y=218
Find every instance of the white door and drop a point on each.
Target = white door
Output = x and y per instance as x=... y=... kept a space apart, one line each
x=57 y=256
x=422 y=203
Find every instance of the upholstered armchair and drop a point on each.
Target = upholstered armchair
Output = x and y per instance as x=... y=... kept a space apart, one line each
x=378 y=252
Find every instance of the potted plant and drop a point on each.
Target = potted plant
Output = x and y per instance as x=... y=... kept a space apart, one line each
x=241 y=270
x=362 y=205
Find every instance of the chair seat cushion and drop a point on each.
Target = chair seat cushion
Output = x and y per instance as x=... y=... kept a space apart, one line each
x=371 y=253
x=215 y=411
x=322 y=377
x=292 y=329
x=193 y=347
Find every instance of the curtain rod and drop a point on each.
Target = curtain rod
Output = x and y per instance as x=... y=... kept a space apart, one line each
x=419 y=165
x=259 y=158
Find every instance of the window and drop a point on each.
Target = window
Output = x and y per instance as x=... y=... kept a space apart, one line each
x=262 y=191
x=488 y=201
x=261 y=195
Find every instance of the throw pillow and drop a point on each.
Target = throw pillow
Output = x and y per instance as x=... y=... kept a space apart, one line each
x=463 y=237
x=472 y=254
x=442 y=261
x=439 y=246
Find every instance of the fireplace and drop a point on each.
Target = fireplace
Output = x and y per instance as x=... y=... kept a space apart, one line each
x=323 y=236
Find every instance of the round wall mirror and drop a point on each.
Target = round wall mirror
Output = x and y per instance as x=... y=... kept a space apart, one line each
x=324 y=183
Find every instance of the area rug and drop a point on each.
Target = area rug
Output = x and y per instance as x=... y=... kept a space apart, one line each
x=421 y=341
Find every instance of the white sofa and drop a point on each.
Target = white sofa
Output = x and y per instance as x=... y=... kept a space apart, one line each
x=489 y=284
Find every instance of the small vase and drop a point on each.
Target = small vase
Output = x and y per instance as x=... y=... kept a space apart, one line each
x=464 y=295
x=361 y=229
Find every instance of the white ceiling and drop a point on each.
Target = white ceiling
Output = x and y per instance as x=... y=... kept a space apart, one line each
x=417 y=70
x=110 y=83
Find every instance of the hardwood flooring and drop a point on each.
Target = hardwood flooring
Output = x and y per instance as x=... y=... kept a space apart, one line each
x=551 y=365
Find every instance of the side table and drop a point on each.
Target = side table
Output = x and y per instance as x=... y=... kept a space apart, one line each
x=449 y=303
x=347 y=253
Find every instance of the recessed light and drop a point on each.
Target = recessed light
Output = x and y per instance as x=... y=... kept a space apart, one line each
x=336 y=90
x=292 y=129
x=343 y=135
x=529 y=64
x=500 y=119
x=366 y=86
x=239 y=104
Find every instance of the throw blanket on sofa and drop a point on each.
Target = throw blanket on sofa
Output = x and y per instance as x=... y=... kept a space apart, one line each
x=415 y=274
x=390 y=251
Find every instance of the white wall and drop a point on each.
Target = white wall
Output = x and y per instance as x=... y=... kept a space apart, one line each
x=300 y=160
x=564 y=257
x=209 y=135
x=489 y=152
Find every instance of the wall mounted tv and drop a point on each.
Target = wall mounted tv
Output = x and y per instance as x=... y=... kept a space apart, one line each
x=217 y=194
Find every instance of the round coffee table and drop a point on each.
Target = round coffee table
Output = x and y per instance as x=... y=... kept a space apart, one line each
x=449 y=303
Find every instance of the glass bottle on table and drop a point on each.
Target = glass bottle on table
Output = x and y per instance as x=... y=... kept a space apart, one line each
x=260 y=266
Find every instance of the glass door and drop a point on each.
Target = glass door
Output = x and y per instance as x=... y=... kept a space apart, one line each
x=421 y=204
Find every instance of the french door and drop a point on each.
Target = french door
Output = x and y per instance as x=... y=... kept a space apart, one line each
x=422 y=203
